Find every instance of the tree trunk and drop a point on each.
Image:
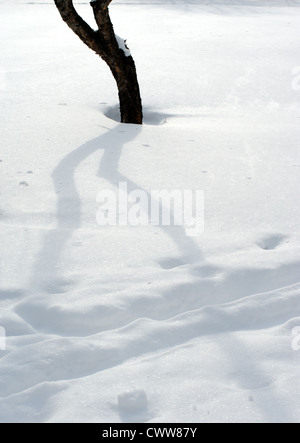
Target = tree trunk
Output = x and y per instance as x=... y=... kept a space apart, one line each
x=105 y=44
x=129 y=91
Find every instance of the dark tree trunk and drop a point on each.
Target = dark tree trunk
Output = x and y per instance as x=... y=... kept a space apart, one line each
x=104 y=43
x=129 y=93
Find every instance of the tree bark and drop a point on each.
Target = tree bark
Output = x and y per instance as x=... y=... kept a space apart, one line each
x=104 y=43
x=129 y=92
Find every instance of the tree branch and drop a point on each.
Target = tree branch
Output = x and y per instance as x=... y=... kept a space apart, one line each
x=103 y=4
x=78 y=25
x=101 y=14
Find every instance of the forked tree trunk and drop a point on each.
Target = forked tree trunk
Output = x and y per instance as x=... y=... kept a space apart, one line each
x=105 y=44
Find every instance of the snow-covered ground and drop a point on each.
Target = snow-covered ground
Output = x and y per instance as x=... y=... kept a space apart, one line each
x=128 y=324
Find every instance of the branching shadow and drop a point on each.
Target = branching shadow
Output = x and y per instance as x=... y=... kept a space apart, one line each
x=46 y=274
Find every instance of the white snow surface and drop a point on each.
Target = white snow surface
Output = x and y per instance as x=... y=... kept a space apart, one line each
x=144 y=324
x=122 y=45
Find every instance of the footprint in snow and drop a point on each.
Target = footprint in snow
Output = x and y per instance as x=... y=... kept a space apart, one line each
x=133 y=406
x=23 y=184
x=271 y=242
